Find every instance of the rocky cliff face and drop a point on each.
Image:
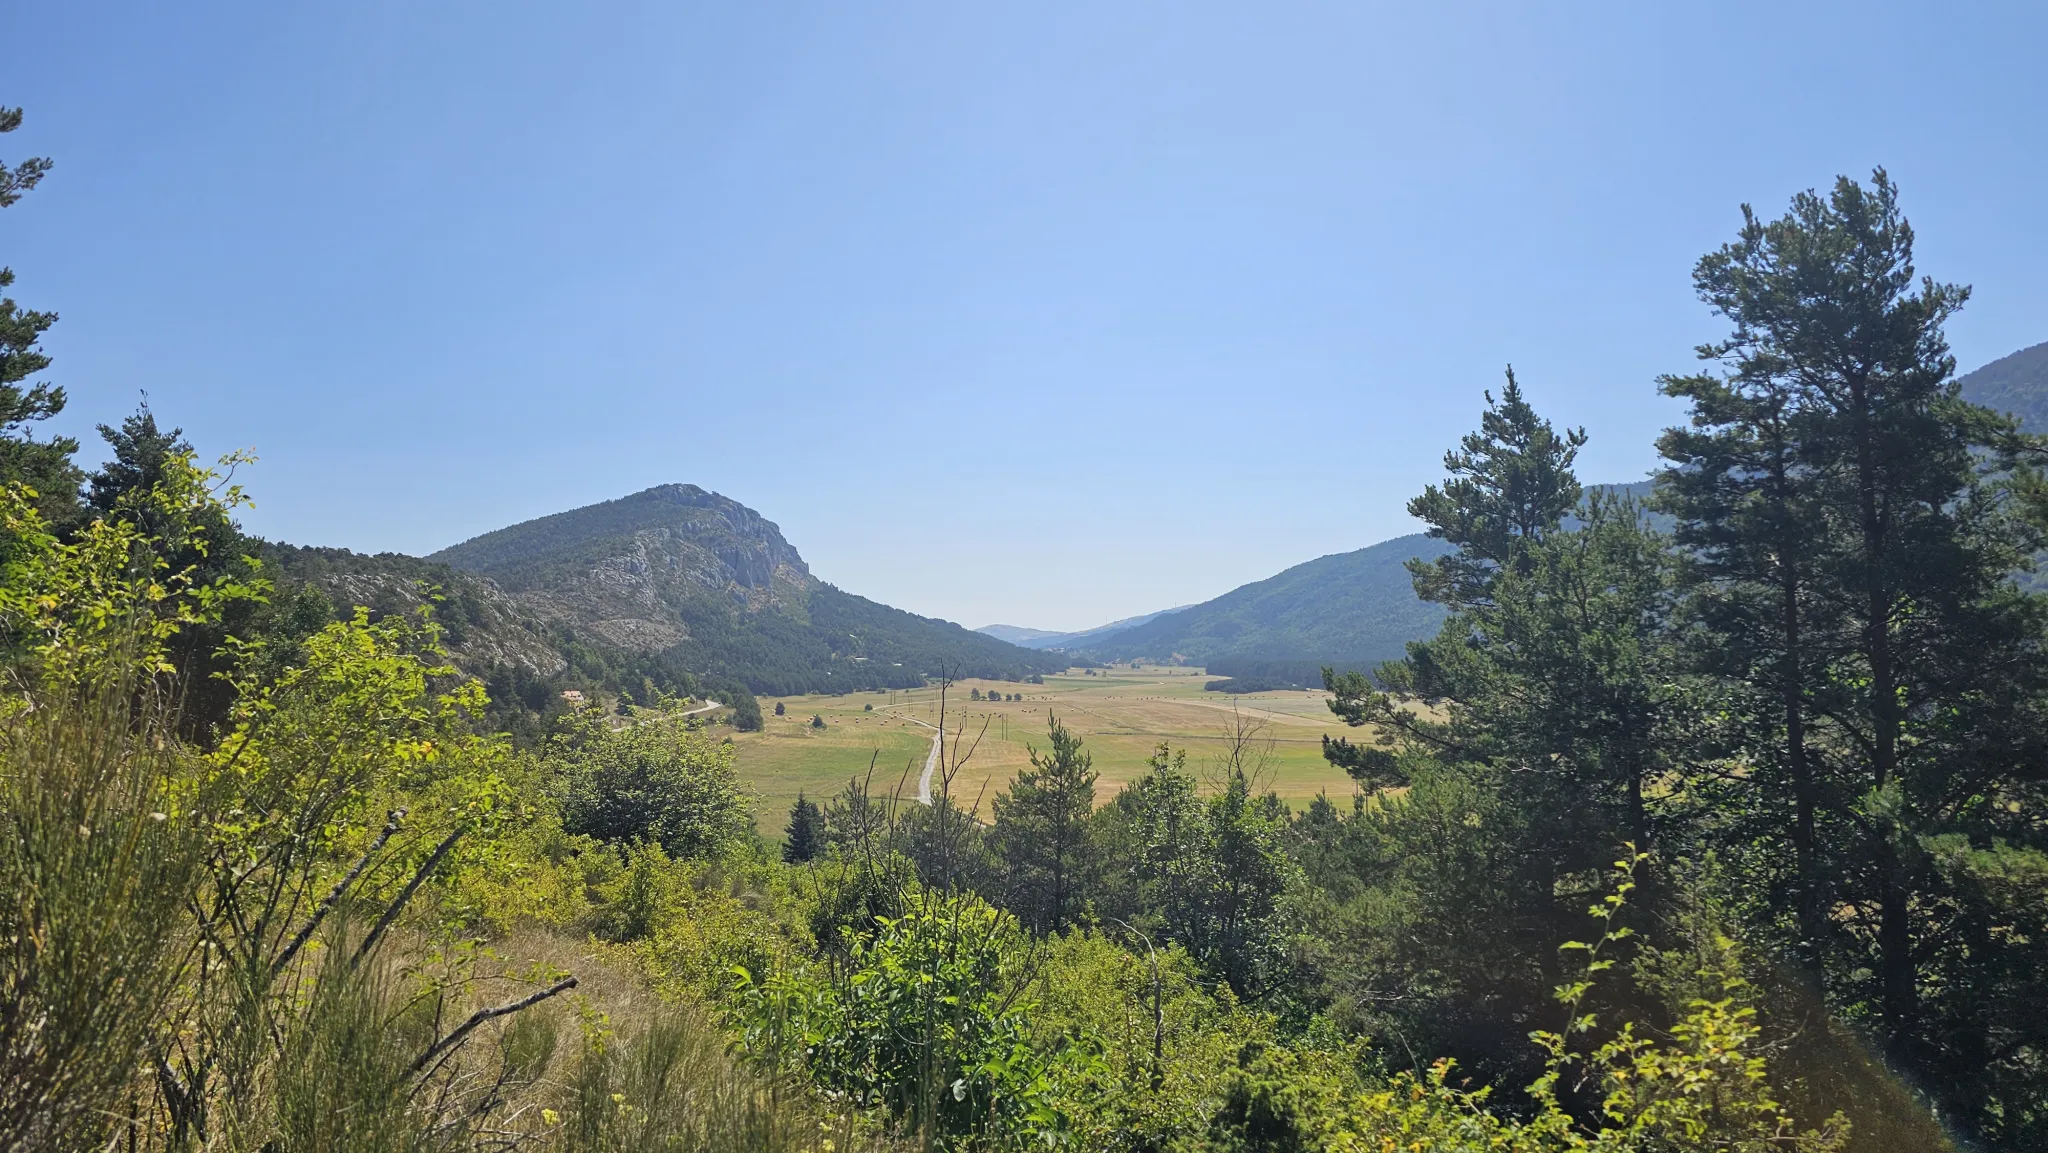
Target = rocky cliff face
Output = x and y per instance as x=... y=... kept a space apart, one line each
x=484 y=628
x=632 y=570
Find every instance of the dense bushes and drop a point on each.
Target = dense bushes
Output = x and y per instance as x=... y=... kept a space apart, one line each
x=657 y=779
x=259 y=942
x=924 y=1021
x=291 y=914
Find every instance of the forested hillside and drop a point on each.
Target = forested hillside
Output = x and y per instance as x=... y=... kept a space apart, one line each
x=2017 y=384
x=641 y=552
x=673 y=590
x=1350 y=608
x=484 y=628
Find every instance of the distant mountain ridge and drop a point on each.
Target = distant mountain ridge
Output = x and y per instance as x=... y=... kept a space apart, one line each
x=1360 y=608
x=1018 y=634
x=668 y=584
x=1356 y=609
x=1043 y=639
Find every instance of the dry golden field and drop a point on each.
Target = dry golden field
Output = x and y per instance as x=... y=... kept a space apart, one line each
x=1121 y=715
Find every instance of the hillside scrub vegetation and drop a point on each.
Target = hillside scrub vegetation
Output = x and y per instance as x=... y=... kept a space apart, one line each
x=1723 y=835
x=332 y=920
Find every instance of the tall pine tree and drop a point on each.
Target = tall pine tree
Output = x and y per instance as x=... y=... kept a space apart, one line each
x=804 y=838
x=1850 y=536
x=1551 y=732
x=1550 y=665
x=1510 y=483
x=1040 y=837
x=44 y=465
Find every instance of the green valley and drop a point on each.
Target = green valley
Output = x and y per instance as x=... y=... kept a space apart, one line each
x=1707 y=812
x=1122 y=713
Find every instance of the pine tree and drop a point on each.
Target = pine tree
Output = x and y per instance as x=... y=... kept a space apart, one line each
x=746 y=711
x=44 y=466
x=857 y=819
x=143 y=455
x=1554 y=717
x=1741 y=489
x=805 y=834
x=1534 y=609
x=1206 y=874
x=1851 y=538
x=1152 y=839
x=946 y=844
x=1040 y=835
x=1511 y=482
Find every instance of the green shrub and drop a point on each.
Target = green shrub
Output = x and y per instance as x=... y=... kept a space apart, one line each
x=923 y=1024
x=97 y=859
x=657 y=779
x=1168 y=1039
x=1705 y=1087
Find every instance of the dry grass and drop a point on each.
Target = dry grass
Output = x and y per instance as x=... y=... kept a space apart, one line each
x=1122 y=714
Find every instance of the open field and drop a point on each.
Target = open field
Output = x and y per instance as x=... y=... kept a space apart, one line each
x=1121 y=714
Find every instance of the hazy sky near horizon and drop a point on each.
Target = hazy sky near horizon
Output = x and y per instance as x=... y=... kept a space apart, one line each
x=1041 y=314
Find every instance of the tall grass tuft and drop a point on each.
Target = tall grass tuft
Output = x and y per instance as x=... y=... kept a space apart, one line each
x=97 y=860
x=340 y=1077
x=674 y=1088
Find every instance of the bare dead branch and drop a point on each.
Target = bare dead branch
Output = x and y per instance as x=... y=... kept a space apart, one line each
x=480 y=1016
x=391 y=914
x=334 y=895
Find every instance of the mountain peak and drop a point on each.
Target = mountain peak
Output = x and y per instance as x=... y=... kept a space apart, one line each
x=680 y=577
x=666 y=517
x=669 y=585
x=627 y=568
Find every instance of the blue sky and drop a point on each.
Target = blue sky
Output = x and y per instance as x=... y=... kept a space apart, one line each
x=1044 y=314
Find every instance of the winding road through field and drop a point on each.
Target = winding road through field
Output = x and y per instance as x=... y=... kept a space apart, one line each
x=931 y=762
x=931 y=759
